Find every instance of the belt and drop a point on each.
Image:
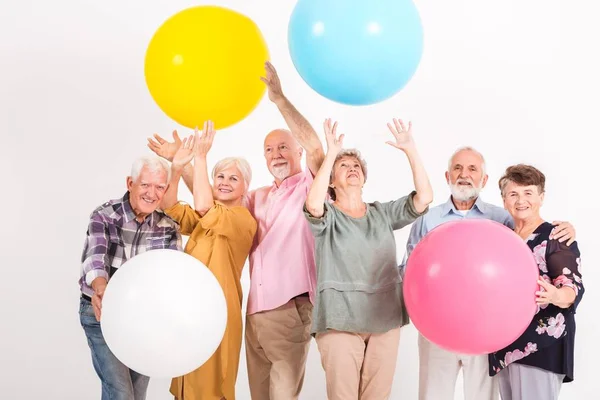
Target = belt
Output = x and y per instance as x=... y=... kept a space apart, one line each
x=86 y=297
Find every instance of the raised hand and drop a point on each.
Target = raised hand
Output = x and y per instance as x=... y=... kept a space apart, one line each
x=185 y=153
x=334 y=143
x=403 y=135
x=163 y=148
x=204 y=141
x=273 y=83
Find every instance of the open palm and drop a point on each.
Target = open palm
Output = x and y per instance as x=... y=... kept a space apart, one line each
x=164 y=148
x=185 y=153
x=402 y=135
x=334 y=143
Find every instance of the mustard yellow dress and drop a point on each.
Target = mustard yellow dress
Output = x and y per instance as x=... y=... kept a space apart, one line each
x=221 y=240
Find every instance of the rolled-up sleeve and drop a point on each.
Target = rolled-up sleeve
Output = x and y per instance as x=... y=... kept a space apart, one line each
x=319 y=224
x=402 y=212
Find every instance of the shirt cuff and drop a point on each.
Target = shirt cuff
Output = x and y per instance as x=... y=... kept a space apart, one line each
x=93 y=274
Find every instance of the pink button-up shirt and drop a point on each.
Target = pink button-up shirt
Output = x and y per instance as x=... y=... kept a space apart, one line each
x=282 y=259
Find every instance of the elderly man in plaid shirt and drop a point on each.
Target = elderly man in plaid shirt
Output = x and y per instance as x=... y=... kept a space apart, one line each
x=118 y=230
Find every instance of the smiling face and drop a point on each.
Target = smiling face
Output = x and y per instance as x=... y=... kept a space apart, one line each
x=522 y=202
x=147 y=191
x=228 y=184
x=466 y=176
x=283 y=154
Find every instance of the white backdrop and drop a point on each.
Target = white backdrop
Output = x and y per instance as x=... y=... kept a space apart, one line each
x=516 y=79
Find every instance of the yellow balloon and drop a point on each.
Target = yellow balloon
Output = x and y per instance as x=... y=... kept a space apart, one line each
x=205 y=63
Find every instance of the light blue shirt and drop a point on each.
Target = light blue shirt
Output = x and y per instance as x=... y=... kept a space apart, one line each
x=448 y=212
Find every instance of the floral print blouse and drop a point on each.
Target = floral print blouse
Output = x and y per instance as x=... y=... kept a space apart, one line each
x=549 y=341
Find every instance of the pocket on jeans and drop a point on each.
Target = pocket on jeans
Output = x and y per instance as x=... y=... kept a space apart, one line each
x=86 y=309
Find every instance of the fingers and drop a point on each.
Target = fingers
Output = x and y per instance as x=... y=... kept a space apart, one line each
x=334 y=129
x=97 y=305
x=341 y=139
x=270 y=68
x=153 y=145
x=159 y=139
x=391 y=128
x=561 y=232
x=327 y=126
x=176 y=137
x=544 y=284
x=398 y=125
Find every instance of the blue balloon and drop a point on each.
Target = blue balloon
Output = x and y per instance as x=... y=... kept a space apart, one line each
x=356 y=52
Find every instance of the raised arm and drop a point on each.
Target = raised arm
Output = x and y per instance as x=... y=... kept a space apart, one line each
x=301 y=129
x=167 y=151
x=318 y=190
x=180 y=161
x=203 y=197
x=404 y=141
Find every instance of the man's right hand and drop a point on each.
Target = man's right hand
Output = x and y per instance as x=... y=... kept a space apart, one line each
x=99 y=286
x=163 y=148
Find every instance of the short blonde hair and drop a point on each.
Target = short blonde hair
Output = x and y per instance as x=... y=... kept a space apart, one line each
x=352 y=153
x=240 y=163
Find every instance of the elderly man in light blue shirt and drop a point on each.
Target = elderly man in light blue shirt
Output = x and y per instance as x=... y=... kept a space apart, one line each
x=438 y=368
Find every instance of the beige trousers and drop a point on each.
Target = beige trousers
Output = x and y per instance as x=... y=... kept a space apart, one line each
x=438 y=371
x=359 y=365
x=277 y=343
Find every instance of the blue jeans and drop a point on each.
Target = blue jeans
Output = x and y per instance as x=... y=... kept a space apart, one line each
x=118 y=381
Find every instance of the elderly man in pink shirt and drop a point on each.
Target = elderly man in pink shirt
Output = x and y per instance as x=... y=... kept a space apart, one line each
x=282 y=263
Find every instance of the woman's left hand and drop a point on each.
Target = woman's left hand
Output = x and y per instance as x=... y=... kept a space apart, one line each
x=550 y=294
x=402 y=134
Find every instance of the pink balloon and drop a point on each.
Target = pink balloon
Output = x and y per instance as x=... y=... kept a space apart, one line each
x=470 y=286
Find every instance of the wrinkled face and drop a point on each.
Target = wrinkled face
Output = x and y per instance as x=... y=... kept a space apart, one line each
x=228 y=184
x=465 y=177
x=146 y=193
x=522 y=202
x=283 y=154
x=347 y=172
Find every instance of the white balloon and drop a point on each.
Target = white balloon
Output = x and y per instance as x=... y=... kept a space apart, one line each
x=163 y=313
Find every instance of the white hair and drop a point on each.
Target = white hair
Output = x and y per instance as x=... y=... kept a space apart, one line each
x=467 y=148
x=240 y=164
x=152 y=163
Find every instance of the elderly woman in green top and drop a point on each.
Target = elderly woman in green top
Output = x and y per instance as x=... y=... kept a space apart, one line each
x=359 y=308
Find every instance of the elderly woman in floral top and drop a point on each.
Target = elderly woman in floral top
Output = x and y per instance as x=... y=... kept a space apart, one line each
x=536 y=364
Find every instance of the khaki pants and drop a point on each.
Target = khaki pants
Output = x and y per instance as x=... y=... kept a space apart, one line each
x=277 y=343
x=359 y=365
x=438 y=371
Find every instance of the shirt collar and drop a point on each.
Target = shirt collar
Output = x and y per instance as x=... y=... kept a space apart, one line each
x=449 y=206
x=289 y=181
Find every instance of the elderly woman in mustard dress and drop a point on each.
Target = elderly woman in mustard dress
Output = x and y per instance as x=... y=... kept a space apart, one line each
x=221 y=231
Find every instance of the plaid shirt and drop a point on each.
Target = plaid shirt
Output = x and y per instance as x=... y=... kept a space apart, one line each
x=114 y=236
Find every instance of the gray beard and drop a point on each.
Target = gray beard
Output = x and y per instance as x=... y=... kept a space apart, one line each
x=281 y=172
x=462 y=193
